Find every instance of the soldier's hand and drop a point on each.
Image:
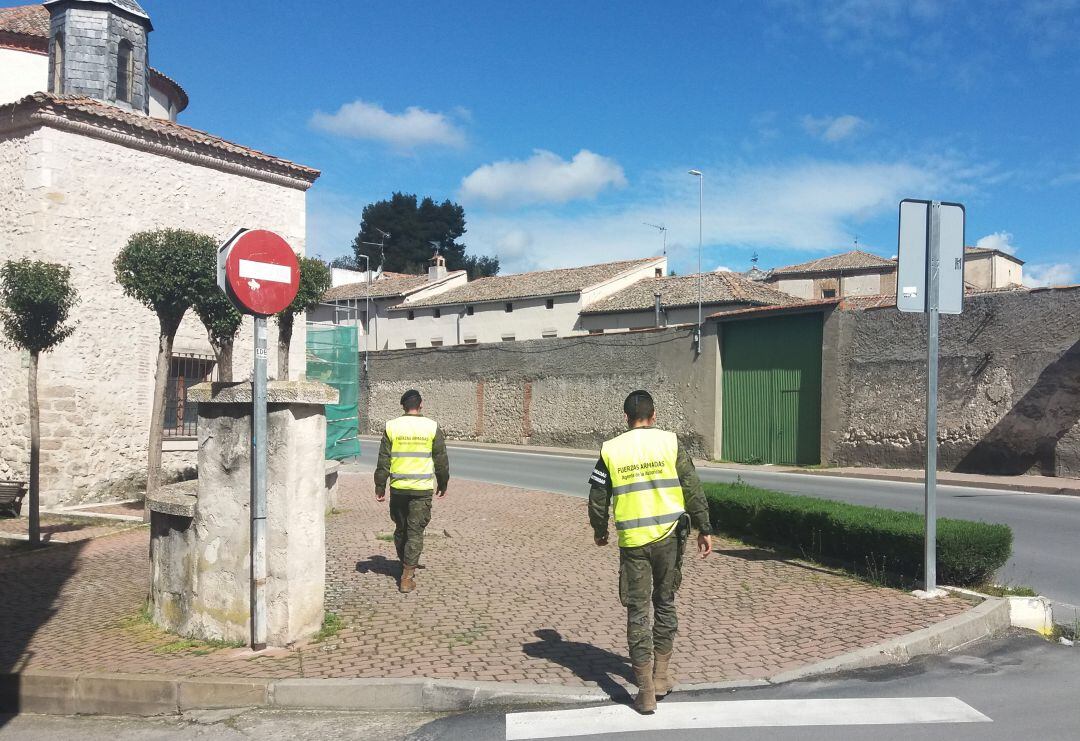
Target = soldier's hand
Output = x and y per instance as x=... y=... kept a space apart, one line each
x=600 y=541
x=380 y=496
x=704 y=544
x=440 y=494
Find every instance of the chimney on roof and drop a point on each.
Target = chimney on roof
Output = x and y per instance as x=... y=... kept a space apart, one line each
x=437 y=269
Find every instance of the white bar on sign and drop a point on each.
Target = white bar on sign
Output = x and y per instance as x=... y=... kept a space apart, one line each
x=265 y=271
x=677 y=716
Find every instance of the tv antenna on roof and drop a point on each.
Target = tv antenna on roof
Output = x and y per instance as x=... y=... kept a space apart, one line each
x=663 y=231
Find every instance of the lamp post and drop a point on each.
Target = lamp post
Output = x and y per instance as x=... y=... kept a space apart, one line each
x=701 y=181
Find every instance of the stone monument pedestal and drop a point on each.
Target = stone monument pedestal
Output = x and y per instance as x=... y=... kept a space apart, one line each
x=200 y=541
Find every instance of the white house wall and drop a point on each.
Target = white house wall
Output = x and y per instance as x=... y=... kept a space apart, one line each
x=22 y=73
x=800 y=287
x=627 y=320
x=611 y=287
x=75 y=200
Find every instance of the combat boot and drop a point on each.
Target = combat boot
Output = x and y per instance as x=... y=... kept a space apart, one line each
x=645 y=702
x=408 y=582
x=661 y=681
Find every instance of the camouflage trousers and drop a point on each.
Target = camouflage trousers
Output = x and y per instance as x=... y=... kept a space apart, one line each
x=651 y=574
x=411 y=514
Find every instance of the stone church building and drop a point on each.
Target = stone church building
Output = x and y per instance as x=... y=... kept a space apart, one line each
x=90 y=153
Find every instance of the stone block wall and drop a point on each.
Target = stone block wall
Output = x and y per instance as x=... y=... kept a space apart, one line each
x=1009 y=386
x=560 y=392
x=74 y=199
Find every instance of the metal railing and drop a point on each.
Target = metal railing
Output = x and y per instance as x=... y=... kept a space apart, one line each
x=181 y=416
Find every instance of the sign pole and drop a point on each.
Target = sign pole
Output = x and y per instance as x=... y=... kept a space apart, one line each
x=258 y=490
x=933 y=227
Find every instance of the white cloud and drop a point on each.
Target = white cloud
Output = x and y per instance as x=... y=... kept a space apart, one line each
x=833 y=128
x=415 y=127
x=812 y=205
x=1050 y=274
x=723 y=269
x=998 y=241
x=543 y=178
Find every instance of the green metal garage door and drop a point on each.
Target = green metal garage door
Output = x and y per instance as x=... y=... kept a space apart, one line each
x=772 y=390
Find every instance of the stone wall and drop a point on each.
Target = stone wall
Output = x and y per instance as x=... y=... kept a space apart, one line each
x=559 y=392
x=1009 y=400
x=73 y=199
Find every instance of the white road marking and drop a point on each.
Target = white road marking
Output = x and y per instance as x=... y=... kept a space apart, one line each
x=674 y=716
x=265 y=271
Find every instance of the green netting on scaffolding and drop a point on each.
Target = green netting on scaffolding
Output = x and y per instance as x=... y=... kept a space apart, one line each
x=333 y=357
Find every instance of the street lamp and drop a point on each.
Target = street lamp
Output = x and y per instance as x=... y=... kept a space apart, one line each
x=701 y=180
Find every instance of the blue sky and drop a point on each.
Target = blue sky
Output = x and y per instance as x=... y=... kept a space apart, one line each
x=562 y=126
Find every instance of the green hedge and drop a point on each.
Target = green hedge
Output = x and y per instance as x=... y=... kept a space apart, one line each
x=871 y=540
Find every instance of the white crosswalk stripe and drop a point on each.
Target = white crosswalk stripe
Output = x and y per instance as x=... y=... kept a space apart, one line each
x=676 y=716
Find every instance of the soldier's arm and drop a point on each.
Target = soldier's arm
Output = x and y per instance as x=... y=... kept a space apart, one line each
x=382 y=467
x=599 y=499
x=693 y=494
x=441 y=459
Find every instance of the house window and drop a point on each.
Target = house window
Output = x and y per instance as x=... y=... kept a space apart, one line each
x=549 y=332
x=125 y=71
x=470 y=339
x=469 y=310
x=659 y=272
x=184 y=372
x=828 y=293
x=509 y=307
x=58 y=65
x=410 y=344
x=509 y=337
x=438 y=313
x=436 y=341
x=550 y=303
x=411 y=315
x=596 y=331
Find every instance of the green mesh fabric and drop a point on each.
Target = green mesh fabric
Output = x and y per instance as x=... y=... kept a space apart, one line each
x=333 y=357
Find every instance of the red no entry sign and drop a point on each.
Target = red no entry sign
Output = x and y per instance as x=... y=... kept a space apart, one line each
x=258 y=271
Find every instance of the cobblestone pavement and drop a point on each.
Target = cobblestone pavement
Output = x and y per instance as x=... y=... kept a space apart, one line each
x=60 y=528
x=513 y=589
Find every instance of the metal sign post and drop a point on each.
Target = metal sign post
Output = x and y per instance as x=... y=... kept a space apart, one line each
x=930 y=280
x=258 y=490
x=260 y=274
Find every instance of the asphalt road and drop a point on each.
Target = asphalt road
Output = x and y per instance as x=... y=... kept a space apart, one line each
x=1018 y=686
x=1045 y=546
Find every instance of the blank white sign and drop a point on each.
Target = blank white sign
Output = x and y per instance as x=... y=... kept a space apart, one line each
x=912 y=274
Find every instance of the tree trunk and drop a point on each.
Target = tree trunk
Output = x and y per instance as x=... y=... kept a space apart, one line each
x=35 y=454
x=157 y=417
x=224 y=353
x=285 y=327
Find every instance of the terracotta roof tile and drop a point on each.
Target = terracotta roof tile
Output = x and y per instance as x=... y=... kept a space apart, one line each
x=716 y=288
x=389 y=285
x=163 y=131
x=529 y=285
x=853 y=260
x=28 y=20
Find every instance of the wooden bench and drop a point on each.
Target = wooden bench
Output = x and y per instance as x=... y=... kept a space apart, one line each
x=11 y=497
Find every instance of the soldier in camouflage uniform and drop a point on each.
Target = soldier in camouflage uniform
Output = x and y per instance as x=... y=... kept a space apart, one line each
x=413 y=458
x=649 y=480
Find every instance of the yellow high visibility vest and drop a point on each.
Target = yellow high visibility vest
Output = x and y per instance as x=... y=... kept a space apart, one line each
x=411 y=465
x=646 y=496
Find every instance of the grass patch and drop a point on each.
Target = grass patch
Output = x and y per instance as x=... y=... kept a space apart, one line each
x=882 y=545
x=1007 y=590
x=467 y=637
x=334 y=511
x=142 y=626
x=385 y=537
x=332 y=624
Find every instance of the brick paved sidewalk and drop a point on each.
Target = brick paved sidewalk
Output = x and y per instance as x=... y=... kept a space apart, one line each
x=513 y=590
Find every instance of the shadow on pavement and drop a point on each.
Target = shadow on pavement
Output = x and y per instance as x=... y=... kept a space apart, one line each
x=379 y=565
x=31 y=583
x=588 y=662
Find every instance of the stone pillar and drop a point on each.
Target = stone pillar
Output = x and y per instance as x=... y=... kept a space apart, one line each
x=201 y=567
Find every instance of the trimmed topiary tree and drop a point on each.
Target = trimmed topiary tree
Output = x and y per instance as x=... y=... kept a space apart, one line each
x=161 y=270
x=314 y=282
x=36 y=299
x=215 y=310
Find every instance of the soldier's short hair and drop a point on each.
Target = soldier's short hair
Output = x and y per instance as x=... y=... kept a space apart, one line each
x=639 y=406
x=410 y=400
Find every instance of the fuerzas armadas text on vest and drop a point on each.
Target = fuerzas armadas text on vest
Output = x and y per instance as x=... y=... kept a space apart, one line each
x=641 y=466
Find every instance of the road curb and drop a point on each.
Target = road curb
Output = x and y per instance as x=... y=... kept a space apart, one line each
x=93 y=693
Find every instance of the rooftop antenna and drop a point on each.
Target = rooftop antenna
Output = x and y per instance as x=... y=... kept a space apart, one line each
x=754 y=260
x=856 y=241
x=437 y=246
x=663 y=231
